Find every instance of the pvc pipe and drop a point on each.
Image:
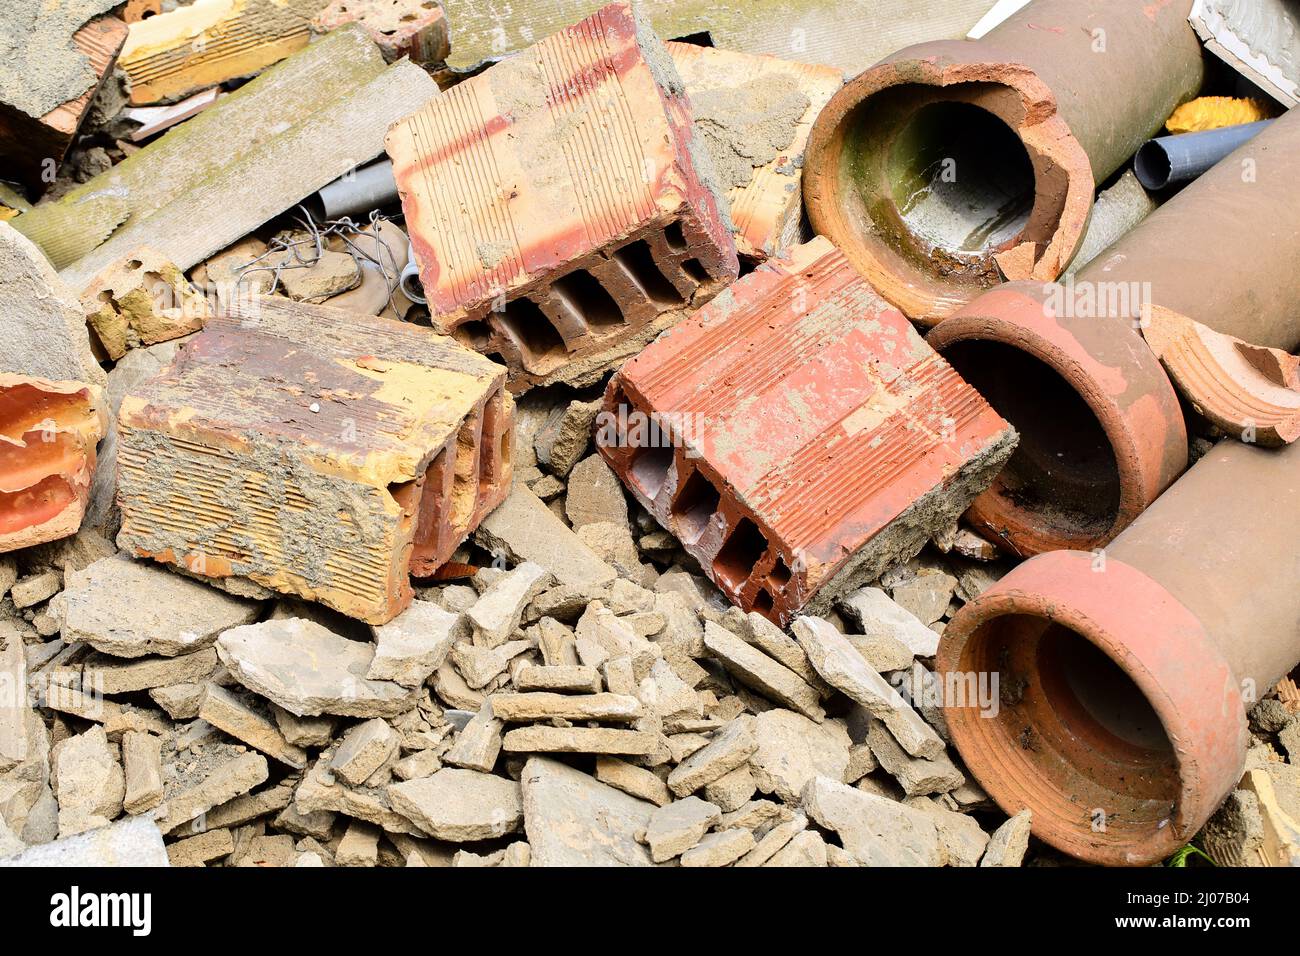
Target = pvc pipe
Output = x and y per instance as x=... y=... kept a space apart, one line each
x=371 y=187
x=1125 y=677
x=410 y=278
x=1166 y=160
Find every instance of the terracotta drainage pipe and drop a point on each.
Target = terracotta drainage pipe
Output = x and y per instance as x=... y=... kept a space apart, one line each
x=1123 y=685
x=1101 y=431
x=954 y=163
x=1217 y=265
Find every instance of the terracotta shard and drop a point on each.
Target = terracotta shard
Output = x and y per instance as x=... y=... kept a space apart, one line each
x=799 y=436
x=316 y=452
x=48 y=434
x=555 y=204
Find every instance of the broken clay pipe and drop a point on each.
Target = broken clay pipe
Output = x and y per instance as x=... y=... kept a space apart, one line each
x=48 y=434
x=1101 y=430
x=1214 y=269
x=1017 y=128
x=1125 y=677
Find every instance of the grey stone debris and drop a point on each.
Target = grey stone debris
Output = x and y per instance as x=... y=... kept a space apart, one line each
x=133 y=842
x=572 y=819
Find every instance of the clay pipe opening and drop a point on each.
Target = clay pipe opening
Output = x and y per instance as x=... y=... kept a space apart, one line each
x=939 y=189
x=1118 y=723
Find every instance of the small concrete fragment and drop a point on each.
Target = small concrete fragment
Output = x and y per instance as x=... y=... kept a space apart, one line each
x=580 y=740
x=88 y=781
x=142 y=764
x=594 y=495
x=568 y=678
x=460 y=806
x=201 y=849
x=730 y=748
x=675 y=828
x=130 y=609
x=720 y=849
x=414 y=644
x=637 y=781
x=309 y=670
x=773 y=841
x=185 y=800
x=1009 y=842
x=755 y=669
x=497 y=613
x=529 y=707
x=141 y=300
x=876 y=613
x=806 y=849
x=15 y=710
x=917 y=776
x=792 y=750
x=478 y=744
x=364 y=749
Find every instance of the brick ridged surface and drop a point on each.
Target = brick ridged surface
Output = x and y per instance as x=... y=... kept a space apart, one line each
x=554 y=204
x=767 y=211
x=26 y=142
x=316 y=452
x=48 y=434
x=812 y=436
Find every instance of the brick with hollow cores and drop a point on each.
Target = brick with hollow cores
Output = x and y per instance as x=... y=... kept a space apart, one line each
x=210 y=41
x=555 y=203
x=28 y=143
x=755 y=114
x=48 y=434
x=798 y=436
x=318 y=452
x=410 y=28
x=143 y=299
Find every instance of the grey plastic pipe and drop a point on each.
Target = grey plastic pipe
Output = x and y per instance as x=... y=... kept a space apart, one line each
x=1166 y=160
x=372 y=187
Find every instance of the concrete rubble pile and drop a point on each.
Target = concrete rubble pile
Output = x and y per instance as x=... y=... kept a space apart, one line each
x=617 y=441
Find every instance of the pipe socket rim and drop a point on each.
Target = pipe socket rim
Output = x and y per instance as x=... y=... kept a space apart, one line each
x=1160 y=646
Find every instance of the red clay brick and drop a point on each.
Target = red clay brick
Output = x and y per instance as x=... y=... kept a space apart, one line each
x=814 y=437
x=316 y=452
x=555 y=205
x=48 y=434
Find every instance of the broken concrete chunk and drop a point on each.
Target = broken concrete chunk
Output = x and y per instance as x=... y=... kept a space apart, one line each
x=364 y=749
x=497 y=613
x=678 y=826
x=720 y=849
x=916 y=775
x=88 y=781
x=845 y=669
x=633 y=780
x=877 y=831
x=574 y=312
x=755 y=669
x=386 y=455
x=522 y=529
x=480 y=665
x=309 y=670
x=304 y=731
x=320 y=791
x=134 y=842
x=35 y=588
x=773 y=841
x=565 y=436
x=876 y=613
x=460 y=806
x=414 y=644
x=142 y=765
x=359 y=846
x=231 y=715
x=964 y=840
x=1009 y=842
x=185 y=799
x=479 y=743
x=107 y=676
x=730 y=748
x=202 y=849
x=580 y=740
x=779 y=646
x=15 y=709
x=141 y=300
x=594 y=495
x=571 y=678
x=129 y=609
x=732 y=790
x=925 y=596
x=793 y=749
x=574 y=820
x=805 y=849
x=528 y=707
